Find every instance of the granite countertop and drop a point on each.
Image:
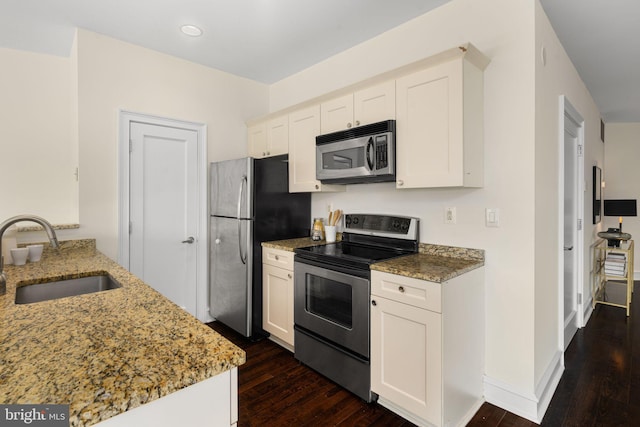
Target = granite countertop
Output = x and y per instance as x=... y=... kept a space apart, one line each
x=291 y=244
x=101 y=353
x=435 y=263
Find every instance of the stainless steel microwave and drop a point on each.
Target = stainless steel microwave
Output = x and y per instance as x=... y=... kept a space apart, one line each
x=358 y=155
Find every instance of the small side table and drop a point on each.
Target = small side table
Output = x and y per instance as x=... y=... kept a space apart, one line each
x=614 y=274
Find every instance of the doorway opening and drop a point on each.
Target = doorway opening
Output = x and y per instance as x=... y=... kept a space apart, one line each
x=571 y=220
x=162 y=170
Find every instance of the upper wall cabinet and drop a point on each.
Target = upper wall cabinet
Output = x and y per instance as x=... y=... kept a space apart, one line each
x=304 y=126
x=269 y=138
x=369 y=105
x=439 y=122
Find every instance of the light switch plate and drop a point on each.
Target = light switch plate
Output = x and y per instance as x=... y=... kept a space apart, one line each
x=492 y=217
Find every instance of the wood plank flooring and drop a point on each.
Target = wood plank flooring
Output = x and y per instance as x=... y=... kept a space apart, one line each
x=599 y=388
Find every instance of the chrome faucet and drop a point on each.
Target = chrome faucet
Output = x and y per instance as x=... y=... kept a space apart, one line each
x=53 y=240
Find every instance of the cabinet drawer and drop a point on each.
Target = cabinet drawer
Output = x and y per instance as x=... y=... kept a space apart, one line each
x=278 y=258
x=407 y=290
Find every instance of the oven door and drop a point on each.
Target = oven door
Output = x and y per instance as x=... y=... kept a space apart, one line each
x=333 y=305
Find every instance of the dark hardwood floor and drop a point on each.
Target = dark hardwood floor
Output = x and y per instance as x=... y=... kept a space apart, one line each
x=600 y=386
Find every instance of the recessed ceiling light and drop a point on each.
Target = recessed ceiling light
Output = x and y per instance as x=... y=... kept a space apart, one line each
x=191 y=30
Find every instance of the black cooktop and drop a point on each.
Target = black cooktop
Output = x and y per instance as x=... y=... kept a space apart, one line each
x=355 y=255
x=367 y=239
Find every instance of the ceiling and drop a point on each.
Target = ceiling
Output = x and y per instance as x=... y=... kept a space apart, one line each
x=268 y=40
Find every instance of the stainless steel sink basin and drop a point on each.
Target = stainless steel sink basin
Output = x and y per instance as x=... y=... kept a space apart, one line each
x=65 y=288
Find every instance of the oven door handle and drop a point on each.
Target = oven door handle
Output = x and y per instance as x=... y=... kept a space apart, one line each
x=365 y=274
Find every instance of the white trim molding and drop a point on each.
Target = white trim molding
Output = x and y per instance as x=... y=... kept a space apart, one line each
x=531 y=406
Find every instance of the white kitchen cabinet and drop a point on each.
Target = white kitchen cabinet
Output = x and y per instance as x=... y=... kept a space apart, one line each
x=270 y=138
x=439 y=120
x=427 y=346
x=304 y=126
x=277 y=295
x=369 y=105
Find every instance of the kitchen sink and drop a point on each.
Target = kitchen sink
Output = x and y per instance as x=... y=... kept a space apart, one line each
x=65 y=288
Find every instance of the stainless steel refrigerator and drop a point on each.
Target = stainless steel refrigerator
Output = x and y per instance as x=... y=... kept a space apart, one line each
x=250 y=204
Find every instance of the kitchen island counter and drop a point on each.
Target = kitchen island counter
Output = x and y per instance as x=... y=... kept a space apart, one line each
x=102 y=353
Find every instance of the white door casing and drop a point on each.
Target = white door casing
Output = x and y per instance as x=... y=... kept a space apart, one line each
x=571 y=218
x=163 y=202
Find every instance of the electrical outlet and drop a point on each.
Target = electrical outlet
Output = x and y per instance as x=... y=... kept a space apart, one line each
x=449 y=215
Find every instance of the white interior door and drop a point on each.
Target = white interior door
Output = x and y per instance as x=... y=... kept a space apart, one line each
x=570 y=250
x=163 y=210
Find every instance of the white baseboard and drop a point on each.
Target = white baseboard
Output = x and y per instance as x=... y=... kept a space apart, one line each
x=531 y=406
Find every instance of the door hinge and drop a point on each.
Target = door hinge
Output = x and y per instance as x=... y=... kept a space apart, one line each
x=130 y=145
x=130 y=227
x=580 y=224
x=579 y=298
x=580 y=150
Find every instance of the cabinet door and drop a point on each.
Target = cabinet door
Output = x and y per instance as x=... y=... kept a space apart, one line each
x=337 y=114
x=304 y=126
x=406 y=357
x=277 y=302
x=375 y=104
x=429 y=108
x=257 y=140
x=278 y=136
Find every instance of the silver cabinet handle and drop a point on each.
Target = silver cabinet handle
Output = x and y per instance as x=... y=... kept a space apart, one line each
x=289 y=276
x=277 y=258
x=190 y=240
x=373 y=302
x=568 y=248
x=357 y=122
x=400 y=183
x=349 y=125
x=401 y=289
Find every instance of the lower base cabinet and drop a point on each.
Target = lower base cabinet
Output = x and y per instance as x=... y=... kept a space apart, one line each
x=277 y=295
x=427 y=347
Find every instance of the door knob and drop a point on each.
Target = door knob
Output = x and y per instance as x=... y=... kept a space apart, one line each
x=190 y=240
x=217 y=241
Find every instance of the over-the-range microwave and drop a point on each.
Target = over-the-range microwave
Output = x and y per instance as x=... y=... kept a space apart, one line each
x=358 y=155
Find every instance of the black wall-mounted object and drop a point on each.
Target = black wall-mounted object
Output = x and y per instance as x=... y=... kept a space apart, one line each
x=597 y=194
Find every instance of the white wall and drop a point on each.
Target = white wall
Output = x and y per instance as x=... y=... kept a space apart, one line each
x=622 y=175
x=38 y=141
x=556 y=77
x=521 y=172
x=503 y=30
x=116 y=75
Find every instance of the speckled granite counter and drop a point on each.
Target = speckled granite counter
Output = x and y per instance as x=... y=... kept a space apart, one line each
x=435 y=263
x=102 y=353
x=291 y=244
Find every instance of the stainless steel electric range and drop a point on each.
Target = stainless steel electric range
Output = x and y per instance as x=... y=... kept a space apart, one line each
x=332 y=289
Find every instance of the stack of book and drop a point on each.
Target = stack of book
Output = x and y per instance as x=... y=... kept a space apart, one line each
x=615 y=264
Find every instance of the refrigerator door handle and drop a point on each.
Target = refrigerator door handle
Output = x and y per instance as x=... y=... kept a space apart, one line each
x=243 y=183
x=243 y=258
